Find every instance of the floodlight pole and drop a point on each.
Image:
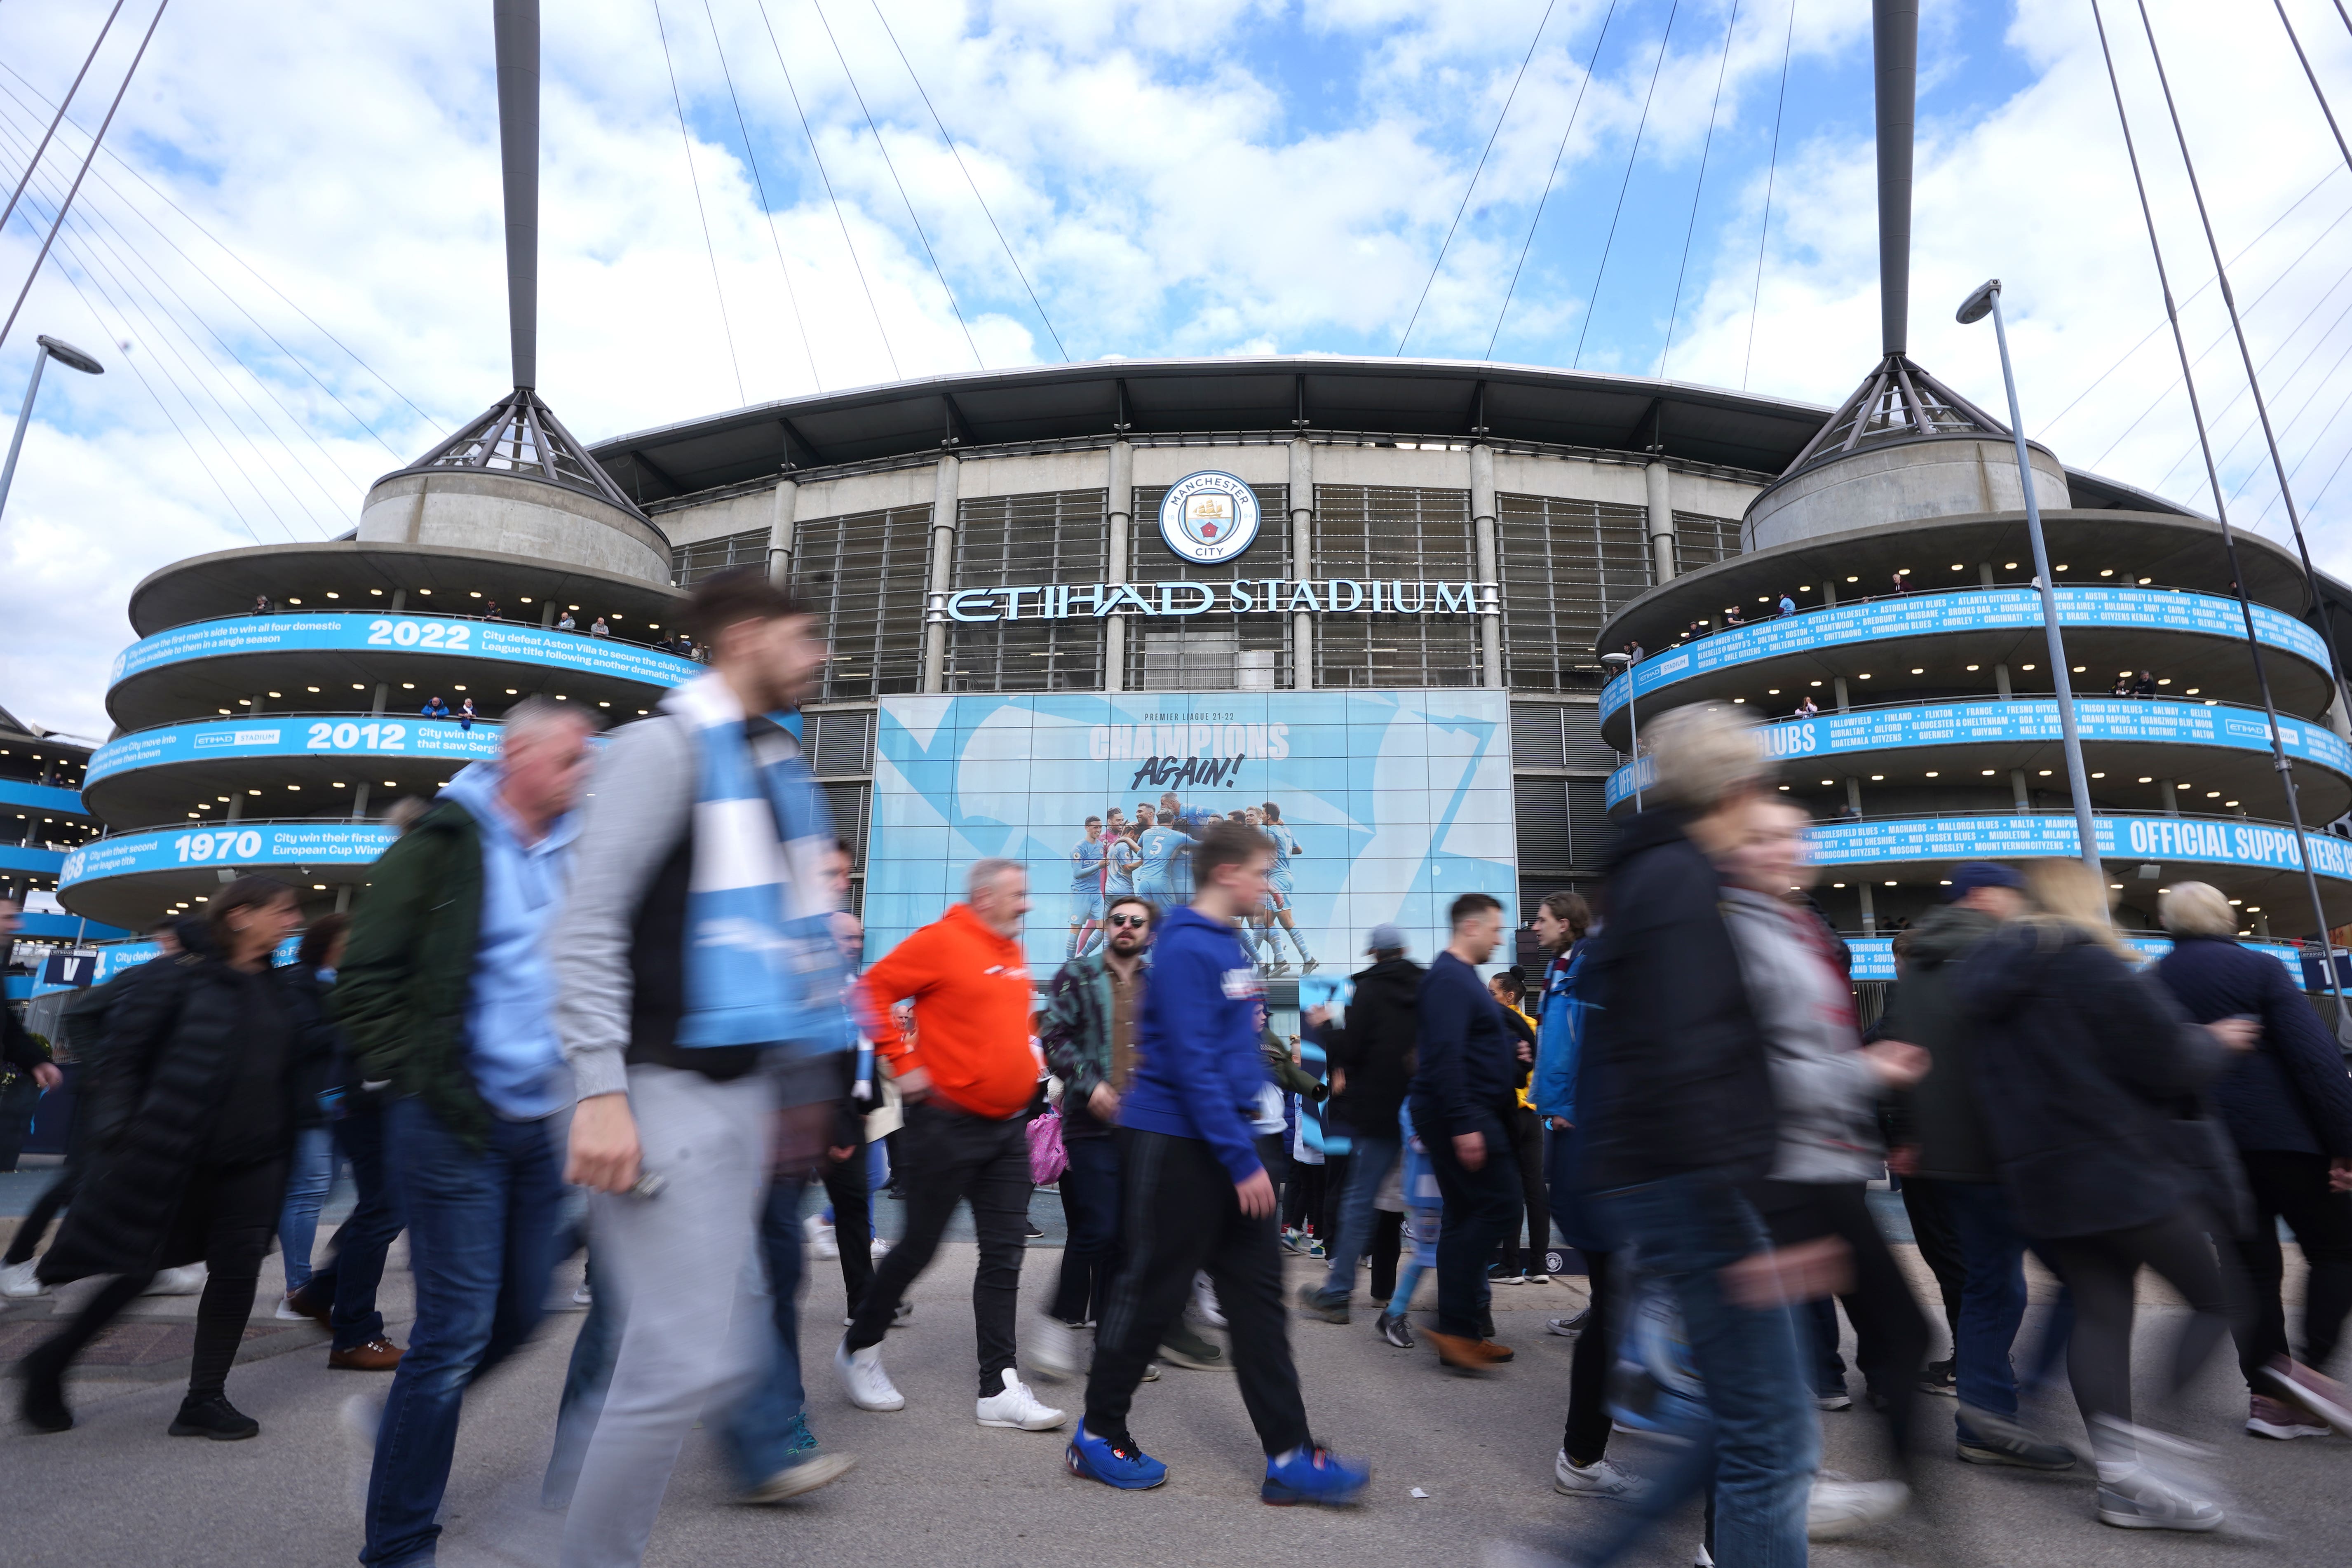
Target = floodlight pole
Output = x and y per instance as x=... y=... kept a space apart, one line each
x=1974 y=309
x=47 y=348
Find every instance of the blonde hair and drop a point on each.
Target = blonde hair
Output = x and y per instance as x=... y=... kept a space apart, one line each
x=2196 y=909
x=2067 y=895
x=1704 y=754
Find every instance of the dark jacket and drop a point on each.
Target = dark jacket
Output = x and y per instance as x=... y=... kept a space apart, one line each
x=1076 y=1039
x=408 y=968
x=1374 y=1047
x=1465 y=1063
x=1201 y=1075
x=18 y=1049
x=2290 y=1092
x=1674 y=1077
x=1942 y=1114
x=2091 y=1077
x=167 y=1064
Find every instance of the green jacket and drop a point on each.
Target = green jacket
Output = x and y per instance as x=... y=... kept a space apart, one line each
x=407 y=971
x=1076 y=1039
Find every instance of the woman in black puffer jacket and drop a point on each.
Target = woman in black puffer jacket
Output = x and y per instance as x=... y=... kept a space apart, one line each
x=210 y=1067
x=2093 y=1082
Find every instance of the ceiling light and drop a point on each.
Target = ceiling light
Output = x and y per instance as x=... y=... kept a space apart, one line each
x=334 y=595
x=475 y=595
x=1918 y=672
x=1854 y=579
x=1932 y=774
x=1976 y=667
x=2009 y=565
x=2106 y=572
x=2098 y=775
x=1879 y=778
x=2025 y=667
x=2045 y=773
x=1987 y=772
x=1829 y=781
x=377 y=591
x=2060 y=567
x=2145 y=779
x=1958 y=567
x=2145 y=581
x=425 y=591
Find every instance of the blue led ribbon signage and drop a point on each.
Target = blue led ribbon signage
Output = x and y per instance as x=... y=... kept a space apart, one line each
x=1934 y=614
x=229 y=843
x=2218 y=841
x=238 y=739
x=1873 y=956
x=503 y=641
x=2023 y=721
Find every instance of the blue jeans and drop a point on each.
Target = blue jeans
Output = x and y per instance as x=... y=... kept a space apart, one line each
x=481 y=1243
x=1371 y=1159
x=1992 y=1296
x=1091 y=1200
x=309 y=1174
x=355 y=1258
x=1762 y=1441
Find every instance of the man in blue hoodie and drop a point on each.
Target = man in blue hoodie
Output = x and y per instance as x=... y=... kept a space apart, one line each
x=446 y=990
x=1201 y=1116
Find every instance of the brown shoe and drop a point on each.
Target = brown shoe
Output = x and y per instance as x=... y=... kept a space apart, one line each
x=1466 y=1355
x=379 y=1354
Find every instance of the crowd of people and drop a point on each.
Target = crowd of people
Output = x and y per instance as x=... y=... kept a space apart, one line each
x=650 y=991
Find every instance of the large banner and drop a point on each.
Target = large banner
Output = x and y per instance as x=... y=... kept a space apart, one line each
x=1384 y=806
x=1968 y=610
x=220 y=739
x=300 y=631
x=2157 y=721
x=1873 y=956
x=2215 y=841
x=229 y=843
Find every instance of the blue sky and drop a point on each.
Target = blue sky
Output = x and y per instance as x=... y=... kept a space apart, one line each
x=1218 y=176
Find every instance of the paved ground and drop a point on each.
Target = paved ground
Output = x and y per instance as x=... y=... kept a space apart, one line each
x=933 y=1488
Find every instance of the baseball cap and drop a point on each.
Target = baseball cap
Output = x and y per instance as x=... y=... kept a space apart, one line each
x=1385 y=936
x=1971 y=875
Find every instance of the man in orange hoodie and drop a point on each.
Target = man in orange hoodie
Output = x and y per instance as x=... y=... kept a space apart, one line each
x=967 y=1077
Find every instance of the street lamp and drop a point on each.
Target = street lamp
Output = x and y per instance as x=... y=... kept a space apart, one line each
x=64 y=353
x=1621 y=663
x=1983 y=302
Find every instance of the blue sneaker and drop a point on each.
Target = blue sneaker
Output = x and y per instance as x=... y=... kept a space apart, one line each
x=1128 y=1469
x=1314 y=1474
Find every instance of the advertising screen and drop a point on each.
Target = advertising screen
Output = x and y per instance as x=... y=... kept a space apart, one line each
x=505 y=641
x=1385 y=806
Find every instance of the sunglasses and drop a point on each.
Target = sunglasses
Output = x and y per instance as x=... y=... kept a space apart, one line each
x=1139 y=922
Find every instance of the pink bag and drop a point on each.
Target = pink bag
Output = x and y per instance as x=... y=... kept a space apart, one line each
x=1047 y=1158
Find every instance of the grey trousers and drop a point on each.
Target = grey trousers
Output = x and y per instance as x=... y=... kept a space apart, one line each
x=681 y=1270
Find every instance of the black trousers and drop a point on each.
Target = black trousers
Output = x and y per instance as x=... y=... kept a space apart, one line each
x=1481 y=1206
x=951 y=1157
x=236 y=1210
x=1586 y=1438
x=1525 y=1130
x=1092 y=1193
x=1388 y=1245
x=1940 y=1243
x=1303 y=1194
x=1890 y=1333
x=2293 y=1187
x=1184 y=1216
x=1335 y=1198
x=849 y=1186
x=2100 y=1271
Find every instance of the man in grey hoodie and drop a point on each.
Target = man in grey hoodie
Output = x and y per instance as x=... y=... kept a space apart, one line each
x=699 y=995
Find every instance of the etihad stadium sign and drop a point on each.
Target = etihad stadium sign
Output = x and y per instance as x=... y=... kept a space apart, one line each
x=1242 y=596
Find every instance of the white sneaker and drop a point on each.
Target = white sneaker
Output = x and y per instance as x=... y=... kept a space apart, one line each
x=1599 y=1478
x=186 y=1281
x=1016 y=1406
x=1839 y=1506
x=877 y=1249
x=820 y=1237
x=1053 y=1349
x=1205 y=1302
x=17 y=1279
x=863 y=1379
x=1700 y=1559
x=286 y=1312
x=582 y=1296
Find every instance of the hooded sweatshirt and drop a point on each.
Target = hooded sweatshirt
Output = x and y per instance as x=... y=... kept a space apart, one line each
x=512 y=1047
x=1944 y=1112
x=1201 y=1075
x=1823 y=1087
x=971 y=988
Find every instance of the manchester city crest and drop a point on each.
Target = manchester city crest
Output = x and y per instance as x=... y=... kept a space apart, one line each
x=1209 y=517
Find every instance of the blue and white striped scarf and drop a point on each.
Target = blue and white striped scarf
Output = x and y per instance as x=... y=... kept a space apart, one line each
x=762 y=967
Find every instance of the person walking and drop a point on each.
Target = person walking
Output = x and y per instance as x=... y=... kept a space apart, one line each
x=1370 y=1056
x=21 y=1054
x=209 y=1068
x=1674 y=1082
x=1515 y=1265
x=1202 y=1118
x=1950 y=1152
x=2093 y=1076
x=1826 y=1085
x=967 y=1078
x=311 y=1169
x=1462 y=1097
x=341 y=1297
x=447 y=995
x=701 y=1003
x=82 y=1021
x=1581 y=1468
x=1089 y=1040
x=2288 y=1108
